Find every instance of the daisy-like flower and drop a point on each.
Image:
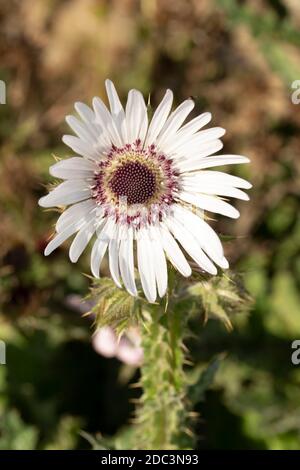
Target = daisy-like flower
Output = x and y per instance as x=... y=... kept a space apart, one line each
x=140 y=187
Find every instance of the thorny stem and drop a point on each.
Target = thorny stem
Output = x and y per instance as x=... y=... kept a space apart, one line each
x=162 y=413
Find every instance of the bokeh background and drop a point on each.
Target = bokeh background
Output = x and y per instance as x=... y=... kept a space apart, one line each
x=238 y=60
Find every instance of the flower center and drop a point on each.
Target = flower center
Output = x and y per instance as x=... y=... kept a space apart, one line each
x=135 y=181
x=135 y=184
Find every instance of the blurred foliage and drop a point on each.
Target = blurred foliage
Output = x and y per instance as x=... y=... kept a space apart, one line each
x=238 y=59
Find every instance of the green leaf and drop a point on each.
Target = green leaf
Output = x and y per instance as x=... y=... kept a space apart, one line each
x=205 y=379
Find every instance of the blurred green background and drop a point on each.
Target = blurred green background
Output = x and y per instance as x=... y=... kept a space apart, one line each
x=238 y=60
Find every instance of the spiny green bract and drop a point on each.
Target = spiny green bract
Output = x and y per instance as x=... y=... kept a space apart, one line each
x=113 y=306
x=220 y=298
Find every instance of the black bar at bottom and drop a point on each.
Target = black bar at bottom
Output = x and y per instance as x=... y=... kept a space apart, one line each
x=136 y=459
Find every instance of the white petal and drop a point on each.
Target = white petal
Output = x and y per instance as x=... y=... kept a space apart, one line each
x=205 y=235
x=59 y=239
x=72 y=213
x=126 y=260
x=89 y=117
x=159 y=118
x=97 y=255
x=81 y=240
x=82 y=148
x=209 y=162
x=146 y=265
x=184 y=134
x=223 y=263
x=81 y=130
x=216 y=177
x=116 y=109
x=105 y=120
x=195 y=144
x=216 y=189
x=86 y=114
x=160 y=264
x=191 y=159
x=191 y=246
x=191 y=220
x=173 y=123
x=174 y=253
x=69 y=230
x=113 y=251
x=73 y=168
x=66 y=193
x=100 y=246
x=210 y=203
x=195 y=124
x=136 y=117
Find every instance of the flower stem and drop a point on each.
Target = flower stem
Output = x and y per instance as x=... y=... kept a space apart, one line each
x=162 y=414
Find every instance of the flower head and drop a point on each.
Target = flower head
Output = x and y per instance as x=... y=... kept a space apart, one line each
x=140 y=186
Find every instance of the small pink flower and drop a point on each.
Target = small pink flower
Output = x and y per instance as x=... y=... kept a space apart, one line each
x=127 y=349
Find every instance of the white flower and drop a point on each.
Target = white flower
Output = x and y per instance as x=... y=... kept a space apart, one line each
x=144 y=185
